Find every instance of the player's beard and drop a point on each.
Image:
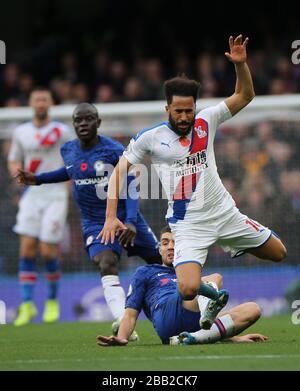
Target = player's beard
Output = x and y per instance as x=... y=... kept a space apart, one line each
x=180 y=131
x=41 y=115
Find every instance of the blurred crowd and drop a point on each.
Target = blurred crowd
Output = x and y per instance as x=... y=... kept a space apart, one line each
x=105 y=79
x=259 y=164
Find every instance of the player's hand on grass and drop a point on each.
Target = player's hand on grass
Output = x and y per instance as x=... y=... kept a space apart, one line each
x=128 y=236
x=237 y=48
x=111 y=341
x=111 y=229
x=251 y=338
x=25 y=177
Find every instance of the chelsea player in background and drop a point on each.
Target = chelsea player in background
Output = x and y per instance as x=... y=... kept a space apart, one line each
x=88 y=161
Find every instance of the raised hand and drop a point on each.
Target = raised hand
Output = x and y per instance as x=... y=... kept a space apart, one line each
x=25 y=177
x=238 y=53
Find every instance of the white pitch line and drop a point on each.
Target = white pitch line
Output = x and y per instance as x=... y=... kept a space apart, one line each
x=166 y=358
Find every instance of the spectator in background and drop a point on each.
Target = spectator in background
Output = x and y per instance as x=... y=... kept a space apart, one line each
x=133 y=90
x=69 y=68
x=80 y=93
x=9 y=86
x=105 y=94
x=62 y=91
x=153 y=80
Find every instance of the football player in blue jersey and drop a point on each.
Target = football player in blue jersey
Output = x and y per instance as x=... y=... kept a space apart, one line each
x=89 y=160
x=154 y=290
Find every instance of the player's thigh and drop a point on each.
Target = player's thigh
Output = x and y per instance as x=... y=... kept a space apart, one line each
x=238 y=233
x=93 y=246
x=272 y=249
x=191 y=305
x=171 y=318
x=28 y=246
x=53 y=221
x=105 y=257
x=192 y=242
x=28 y=219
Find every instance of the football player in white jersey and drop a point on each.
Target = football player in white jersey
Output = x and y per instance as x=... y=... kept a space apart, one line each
x=42 y=209
x=201 y=212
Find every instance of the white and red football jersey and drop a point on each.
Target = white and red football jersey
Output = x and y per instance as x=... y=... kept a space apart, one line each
x=39 y=150
x=186 y=166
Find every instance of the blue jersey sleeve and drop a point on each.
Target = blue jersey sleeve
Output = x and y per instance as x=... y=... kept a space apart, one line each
x=60 y=175
x=137 y=290
x=132 y=200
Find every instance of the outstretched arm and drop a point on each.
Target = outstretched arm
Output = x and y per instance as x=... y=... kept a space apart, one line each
x=126 y=328
x=112 y=224
x=127 y=237
x=247 y=338
x=29 y=179
x=244 y=91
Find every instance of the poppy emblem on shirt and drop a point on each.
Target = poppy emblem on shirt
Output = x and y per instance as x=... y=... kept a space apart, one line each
x=83 y=166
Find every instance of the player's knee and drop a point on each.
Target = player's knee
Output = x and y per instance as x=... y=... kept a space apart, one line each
x=28 y=253
x=107 y=264
x=280 y=254
x=254 y=312
x=188 y=292
x=218 y=279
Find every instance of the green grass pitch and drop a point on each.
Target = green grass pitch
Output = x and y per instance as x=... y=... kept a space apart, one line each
x=72 y=346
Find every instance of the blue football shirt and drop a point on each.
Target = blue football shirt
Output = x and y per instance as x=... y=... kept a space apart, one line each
x=90 y=170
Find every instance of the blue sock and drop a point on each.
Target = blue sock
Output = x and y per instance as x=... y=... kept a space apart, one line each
x=208 y=291
x=27 y=277
x=52 y=276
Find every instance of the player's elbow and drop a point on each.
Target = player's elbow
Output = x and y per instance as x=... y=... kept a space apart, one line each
x=248 y=96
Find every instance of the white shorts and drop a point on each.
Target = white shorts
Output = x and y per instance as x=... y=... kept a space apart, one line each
x=234 y=232
x=41 y=217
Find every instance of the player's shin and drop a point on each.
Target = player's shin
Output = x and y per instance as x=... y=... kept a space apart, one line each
x=27 y=278
x=114 y=295
x=208 y=290
x=222 y=328
x=52 y=276
x=51 y=309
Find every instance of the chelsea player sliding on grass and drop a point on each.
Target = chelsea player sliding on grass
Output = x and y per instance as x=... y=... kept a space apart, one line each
x=88 y=161
x=176 y=321
x=201 y=212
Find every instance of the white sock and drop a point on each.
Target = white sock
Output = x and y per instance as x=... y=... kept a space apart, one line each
x=114 y=295
x=203 y=300
x=222 y=328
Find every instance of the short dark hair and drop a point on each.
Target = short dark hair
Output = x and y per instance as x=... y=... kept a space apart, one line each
x=40 y=89
x=181 y=86
x=165 y=229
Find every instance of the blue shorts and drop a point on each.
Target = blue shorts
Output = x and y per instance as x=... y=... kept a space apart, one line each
x=170 y=318
x=145 y=244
